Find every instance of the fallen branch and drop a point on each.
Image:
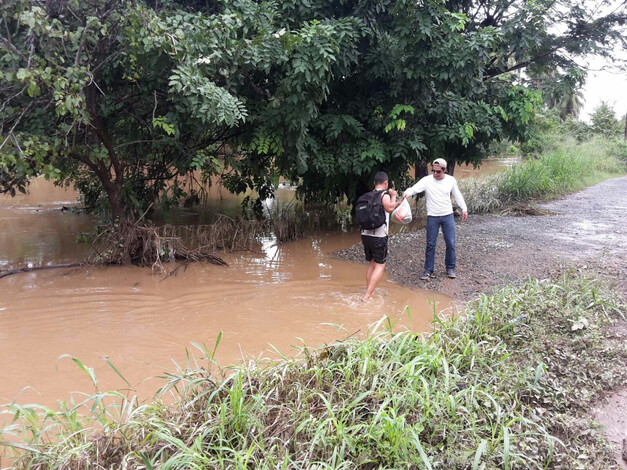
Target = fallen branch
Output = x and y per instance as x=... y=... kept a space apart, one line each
x=39 y=268
x=524 y=209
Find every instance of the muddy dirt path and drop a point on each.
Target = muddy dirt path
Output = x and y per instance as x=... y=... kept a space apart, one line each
x=585 y=230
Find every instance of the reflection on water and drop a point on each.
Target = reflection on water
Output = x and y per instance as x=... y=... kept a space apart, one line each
x=279 y=297
x=36 y=231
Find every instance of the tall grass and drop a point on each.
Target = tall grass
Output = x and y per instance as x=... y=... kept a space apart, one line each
x=568 y=168
x=498 y=387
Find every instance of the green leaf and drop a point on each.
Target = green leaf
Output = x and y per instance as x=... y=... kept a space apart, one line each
x=160 y=122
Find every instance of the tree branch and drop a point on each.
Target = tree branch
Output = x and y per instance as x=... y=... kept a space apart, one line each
x=521 y=65
x=17 y=121
x=86 y=161
x=9 y=43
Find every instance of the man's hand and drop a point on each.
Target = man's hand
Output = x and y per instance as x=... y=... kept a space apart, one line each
x=464 y=215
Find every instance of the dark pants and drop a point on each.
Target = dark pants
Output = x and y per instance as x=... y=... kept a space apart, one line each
x=375 y=248
x=447 y=222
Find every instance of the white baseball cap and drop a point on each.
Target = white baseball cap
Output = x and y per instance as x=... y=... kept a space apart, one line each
x=440 y=162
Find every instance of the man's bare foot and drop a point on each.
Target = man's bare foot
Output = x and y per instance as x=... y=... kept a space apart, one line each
x=367 y=299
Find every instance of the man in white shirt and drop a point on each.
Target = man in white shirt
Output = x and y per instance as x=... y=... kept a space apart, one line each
x=438 y=188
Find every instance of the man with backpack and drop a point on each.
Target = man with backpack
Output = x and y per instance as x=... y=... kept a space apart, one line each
x=373 y=214
x=438 y=188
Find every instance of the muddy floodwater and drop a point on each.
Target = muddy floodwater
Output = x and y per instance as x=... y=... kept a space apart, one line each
x=276 y=299
x=143 y=323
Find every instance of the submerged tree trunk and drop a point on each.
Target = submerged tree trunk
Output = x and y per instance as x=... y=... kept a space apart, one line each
x=38 y=268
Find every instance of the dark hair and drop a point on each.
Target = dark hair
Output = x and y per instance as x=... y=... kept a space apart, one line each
x=380 y=177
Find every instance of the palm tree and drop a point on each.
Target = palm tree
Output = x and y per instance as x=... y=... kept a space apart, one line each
x=558 y=94
x=570 y=104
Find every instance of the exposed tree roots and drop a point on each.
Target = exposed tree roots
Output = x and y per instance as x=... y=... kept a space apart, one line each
x=140 y=244
x=149 y=245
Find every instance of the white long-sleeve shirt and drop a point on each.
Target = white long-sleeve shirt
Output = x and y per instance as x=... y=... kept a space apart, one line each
x=438 y=194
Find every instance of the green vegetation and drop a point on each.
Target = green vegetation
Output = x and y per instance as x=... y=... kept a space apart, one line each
x=124 y=100
x=504 y=385
x=564 y=162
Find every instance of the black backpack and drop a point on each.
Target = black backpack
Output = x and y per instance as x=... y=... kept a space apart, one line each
x=369 y=210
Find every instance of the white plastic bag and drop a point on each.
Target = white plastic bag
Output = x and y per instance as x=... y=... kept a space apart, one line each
x=402 y=214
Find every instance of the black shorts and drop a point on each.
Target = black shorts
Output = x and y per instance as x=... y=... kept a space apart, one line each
x=375 y=248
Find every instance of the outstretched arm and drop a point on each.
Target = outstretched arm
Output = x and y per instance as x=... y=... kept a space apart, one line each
x=419 y=187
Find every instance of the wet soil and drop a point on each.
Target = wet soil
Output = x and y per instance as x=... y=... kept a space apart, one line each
x=586 y=230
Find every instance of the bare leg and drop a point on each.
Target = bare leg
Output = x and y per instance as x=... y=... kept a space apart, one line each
x=369 y=272
x=373 y=276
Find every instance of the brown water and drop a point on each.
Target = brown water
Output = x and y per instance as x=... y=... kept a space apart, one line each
x=142 y=322
x=275 y=299
x=488 y=167
x=34 y=231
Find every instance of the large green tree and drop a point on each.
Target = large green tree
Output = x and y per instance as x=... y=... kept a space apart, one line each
x=121 y=98
x=94 y=93
x=428 y=79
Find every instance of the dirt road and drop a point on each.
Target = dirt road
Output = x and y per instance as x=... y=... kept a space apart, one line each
x=586 y=230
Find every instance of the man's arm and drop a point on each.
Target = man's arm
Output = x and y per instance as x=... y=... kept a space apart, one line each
x=389 y=201
x=457 y=194
x=419 y=187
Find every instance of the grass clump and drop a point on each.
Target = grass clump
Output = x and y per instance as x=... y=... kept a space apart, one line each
x=565 y=169
x=505 y=385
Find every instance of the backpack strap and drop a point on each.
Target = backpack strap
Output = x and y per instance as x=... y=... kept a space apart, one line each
x=387 y=191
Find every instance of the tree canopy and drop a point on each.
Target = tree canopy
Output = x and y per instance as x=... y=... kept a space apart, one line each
x=605 y=122
x=123 y=98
